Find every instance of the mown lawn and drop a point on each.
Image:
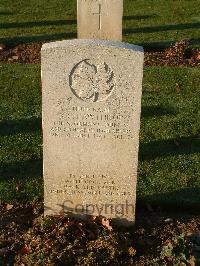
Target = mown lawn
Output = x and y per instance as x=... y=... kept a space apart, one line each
x=169 y=167
x=147 y=22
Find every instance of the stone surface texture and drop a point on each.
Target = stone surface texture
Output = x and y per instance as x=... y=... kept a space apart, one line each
x=91 y=93
x=100 y=19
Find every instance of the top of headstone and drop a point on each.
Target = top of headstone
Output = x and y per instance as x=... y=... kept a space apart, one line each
x=82 y=42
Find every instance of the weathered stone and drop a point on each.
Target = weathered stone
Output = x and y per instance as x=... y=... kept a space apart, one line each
x=100 y=19
x=91 y=118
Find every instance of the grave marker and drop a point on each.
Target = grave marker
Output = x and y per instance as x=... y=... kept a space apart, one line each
x=91 y=118
x=100 y=19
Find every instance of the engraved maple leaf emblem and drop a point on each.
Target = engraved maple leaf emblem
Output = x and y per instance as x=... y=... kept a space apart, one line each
x=92 y=82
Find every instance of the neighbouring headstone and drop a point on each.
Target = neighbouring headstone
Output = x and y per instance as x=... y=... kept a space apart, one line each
x=100 y=19
x=91 y=119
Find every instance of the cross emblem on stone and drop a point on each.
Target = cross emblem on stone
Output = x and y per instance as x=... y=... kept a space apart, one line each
x=100 y=15
x=100 y=19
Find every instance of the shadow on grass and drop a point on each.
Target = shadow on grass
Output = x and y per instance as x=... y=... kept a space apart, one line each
x=186 y=199
x=5 y=13
x=21 y=170
x=148 y=111
x=150 y=29
x=161 y=45
x=32 y=24
x=38 y=38
x=12 y=41
x=156 y=46
x=138 y=17
x=148 y=46
x=170 y=147
x=13 y=127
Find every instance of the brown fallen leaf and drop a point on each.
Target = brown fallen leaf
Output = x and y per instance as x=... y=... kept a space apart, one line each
x=69 y=223
x=192 y=261
x=9 y=207
x=17 y=188
x=91 y=218
x=132 y=251
x=2 y=46
x=197 y=55
x=26 y=250
x=61 y=214
x=15 y=57
x=106 y=223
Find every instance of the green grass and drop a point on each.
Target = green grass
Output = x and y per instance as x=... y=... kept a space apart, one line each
x=169 y=168
x=170 y=137
x=147 y=22
x=20 y=131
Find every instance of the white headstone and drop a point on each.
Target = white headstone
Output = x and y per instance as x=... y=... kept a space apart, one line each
x=100 y=19
x=91 y=119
